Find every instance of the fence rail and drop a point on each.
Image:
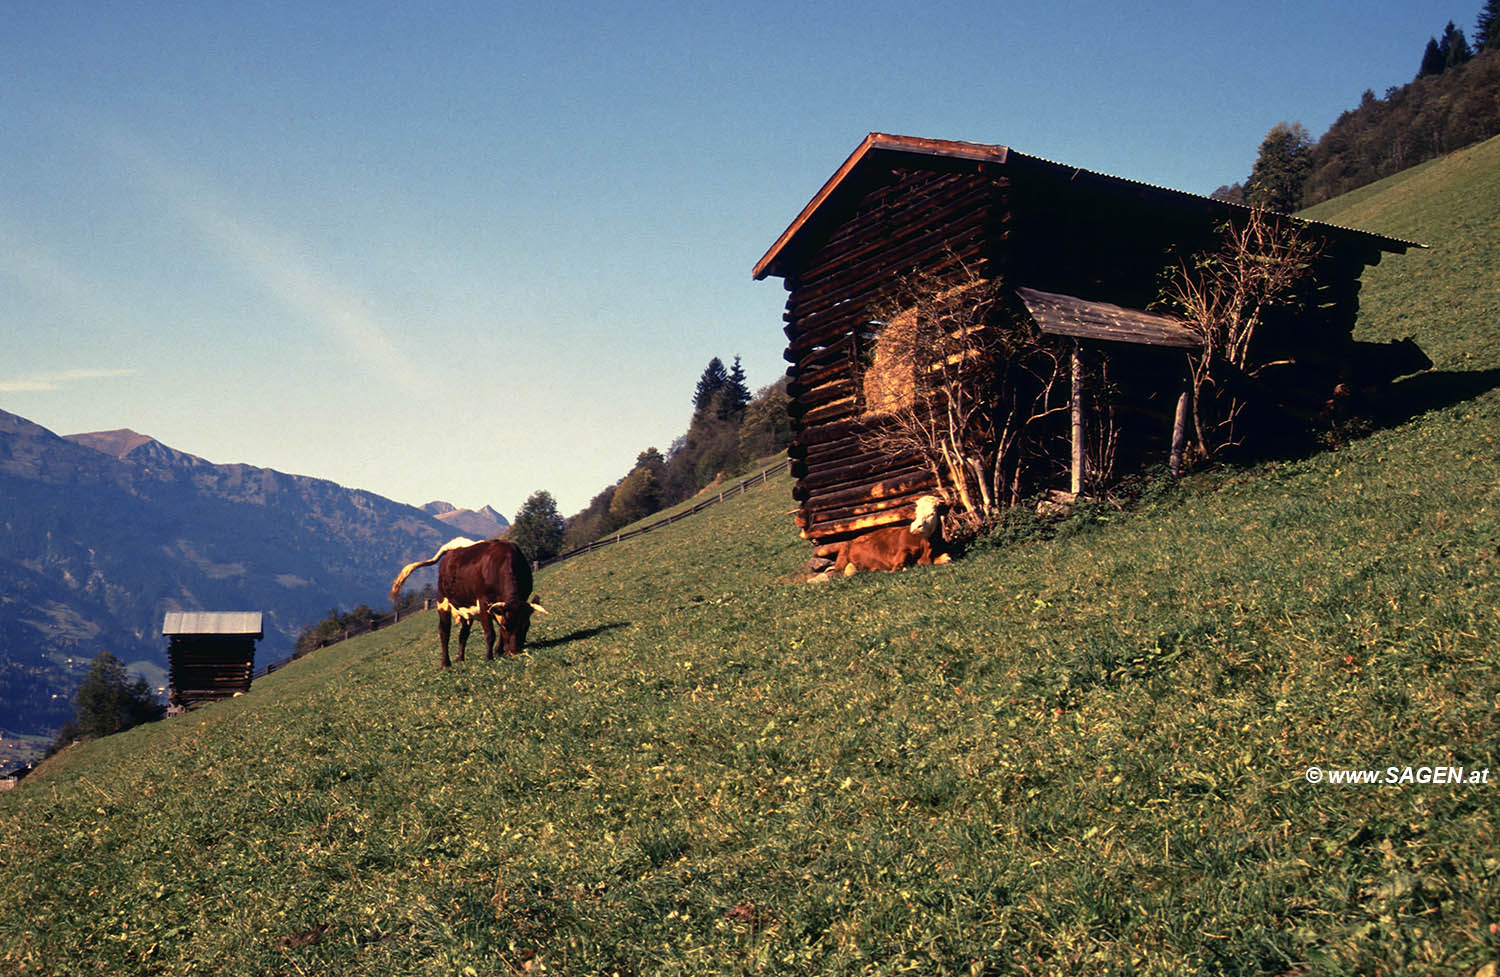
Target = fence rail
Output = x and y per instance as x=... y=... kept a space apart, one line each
x=379 y=621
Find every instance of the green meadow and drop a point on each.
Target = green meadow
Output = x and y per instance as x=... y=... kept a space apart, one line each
x=1083 y=748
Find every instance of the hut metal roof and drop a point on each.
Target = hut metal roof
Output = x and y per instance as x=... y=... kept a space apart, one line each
x=880 y=143
x=236 y=623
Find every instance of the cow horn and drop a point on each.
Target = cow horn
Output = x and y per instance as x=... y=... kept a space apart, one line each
x=537 y=606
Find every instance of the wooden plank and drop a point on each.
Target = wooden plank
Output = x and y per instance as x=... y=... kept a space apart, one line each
x=1066 y=315
x=907 y=483
x=1075 y=410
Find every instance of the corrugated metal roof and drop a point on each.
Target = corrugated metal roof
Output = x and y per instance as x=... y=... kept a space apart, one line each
x=1064 y=315
x=877 y=142
x=246 y=623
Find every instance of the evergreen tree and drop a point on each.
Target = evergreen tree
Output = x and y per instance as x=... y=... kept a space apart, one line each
x=1487 y=27
x=1454 y=46
x=109 y=702
x=735 y=394
x=538 y=528
x=1281 y=169
x=1433 y=60
x=713 y=380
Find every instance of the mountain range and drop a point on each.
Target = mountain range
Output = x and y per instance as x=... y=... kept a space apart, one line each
x=480 y=523
x=103 y=533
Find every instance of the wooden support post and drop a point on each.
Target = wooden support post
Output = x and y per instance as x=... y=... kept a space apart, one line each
x=1077 y=411
x=1179 y=433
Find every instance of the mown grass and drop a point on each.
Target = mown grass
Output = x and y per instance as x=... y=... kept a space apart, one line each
x=1084 y=753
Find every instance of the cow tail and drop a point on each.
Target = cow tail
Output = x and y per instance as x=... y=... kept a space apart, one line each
x=406 y=571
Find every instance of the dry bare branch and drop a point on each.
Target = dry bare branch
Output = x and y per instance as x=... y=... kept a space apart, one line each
x=1225 y=295
x=957 y=379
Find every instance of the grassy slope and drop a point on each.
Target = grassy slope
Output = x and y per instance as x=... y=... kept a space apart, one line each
x=1082 y=754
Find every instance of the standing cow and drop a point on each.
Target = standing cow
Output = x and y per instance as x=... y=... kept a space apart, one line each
x=490 y=580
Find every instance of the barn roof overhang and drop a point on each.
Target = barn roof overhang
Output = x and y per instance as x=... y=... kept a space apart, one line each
x=243 y=624
x=884 y=149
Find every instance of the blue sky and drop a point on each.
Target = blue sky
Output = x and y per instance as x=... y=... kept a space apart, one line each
x=475 y=250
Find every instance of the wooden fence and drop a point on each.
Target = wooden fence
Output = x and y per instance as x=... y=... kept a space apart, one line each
x=378 y=621
x=738 y=488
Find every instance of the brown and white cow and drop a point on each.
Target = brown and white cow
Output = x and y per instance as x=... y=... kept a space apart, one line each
x=489 y=580
x=896 y=547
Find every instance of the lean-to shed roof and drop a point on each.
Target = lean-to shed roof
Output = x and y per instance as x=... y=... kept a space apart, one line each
x=885 y=150
x=1065 y=315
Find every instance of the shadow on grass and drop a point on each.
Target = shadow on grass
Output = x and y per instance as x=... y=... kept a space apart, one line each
x=1377 y=409
x=1433 y=390
x=583 y=634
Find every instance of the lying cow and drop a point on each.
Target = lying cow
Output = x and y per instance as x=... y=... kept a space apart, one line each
x=896 y=547
x=490 y=581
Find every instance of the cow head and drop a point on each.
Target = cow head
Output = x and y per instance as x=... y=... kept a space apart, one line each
x=515 y=621
x=930 y=511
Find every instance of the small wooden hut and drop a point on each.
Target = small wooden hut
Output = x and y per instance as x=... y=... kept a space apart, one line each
x=1082 y=254
x=211 y=655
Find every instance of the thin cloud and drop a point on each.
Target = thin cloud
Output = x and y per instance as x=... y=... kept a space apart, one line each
x=47 y=382
x=43 y=274
x=274 y=262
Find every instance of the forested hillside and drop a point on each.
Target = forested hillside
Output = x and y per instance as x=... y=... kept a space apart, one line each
x=1427 y=118
x=1453 y=102
x=729 y=431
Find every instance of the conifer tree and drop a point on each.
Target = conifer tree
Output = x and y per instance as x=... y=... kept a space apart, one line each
x=736 y=394
x=1487 y=26
x=710 y=383
x=1455 y=47
x=1432 y=59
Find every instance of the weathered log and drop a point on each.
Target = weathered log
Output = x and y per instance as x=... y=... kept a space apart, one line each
x=1179 y=432
x=909 y=482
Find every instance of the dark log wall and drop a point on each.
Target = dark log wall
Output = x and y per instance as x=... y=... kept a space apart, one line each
x=906 y=222
x=205 y=668
x=1102 y=240
x=1036 y=224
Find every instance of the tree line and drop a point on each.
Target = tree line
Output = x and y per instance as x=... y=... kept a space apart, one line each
x=1453 y=102
x=728 y=431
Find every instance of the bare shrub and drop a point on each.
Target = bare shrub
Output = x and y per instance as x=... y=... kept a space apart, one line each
x=1225 y=295
x=958 y=379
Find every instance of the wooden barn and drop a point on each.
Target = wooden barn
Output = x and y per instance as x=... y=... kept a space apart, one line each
x=1079 y=256
x=211 y=655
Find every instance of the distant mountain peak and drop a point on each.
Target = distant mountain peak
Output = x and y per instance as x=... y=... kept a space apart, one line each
x=117 y=444
x=483 y=523
x=142 y=449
